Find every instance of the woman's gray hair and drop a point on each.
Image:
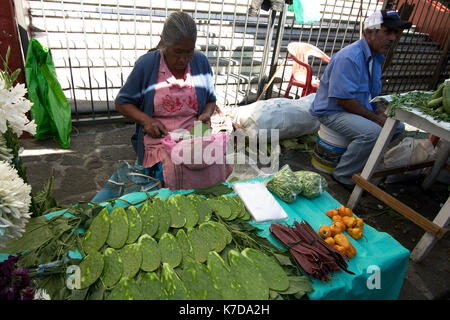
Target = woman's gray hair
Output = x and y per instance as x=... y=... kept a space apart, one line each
x=178 y=26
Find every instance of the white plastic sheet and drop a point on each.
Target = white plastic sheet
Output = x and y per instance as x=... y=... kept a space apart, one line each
x=290 y=117
x=261 y=204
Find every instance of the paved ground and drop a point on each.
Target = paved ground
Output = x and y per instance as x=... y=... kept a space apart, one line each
x=82 y=170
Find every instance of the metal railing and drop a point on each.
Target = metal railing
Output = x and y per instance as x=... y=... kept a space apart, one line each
x=94 y=45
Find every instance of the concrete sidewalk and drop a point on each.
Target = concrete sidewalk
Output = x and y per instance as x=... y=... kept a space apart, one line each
x=95 y=151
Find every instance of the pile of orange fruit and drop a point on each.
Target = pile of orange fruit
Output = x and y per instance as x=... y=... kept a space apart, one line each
x=343 y=220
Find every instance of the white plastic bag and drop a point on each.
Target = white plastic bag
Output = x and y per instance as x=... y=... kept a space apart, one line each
x=290 y=117
x=261 y=204
x=408 y=152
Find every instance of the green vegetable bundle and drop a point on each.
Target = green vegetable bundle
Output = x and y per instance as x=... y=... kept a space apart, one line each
x=285 y=184
x=440 y=100
x=436 y=104
x=313 y=184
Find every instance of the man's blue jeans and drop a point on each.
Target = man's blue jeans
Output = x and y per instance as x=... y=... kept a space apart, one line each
x=362 y=134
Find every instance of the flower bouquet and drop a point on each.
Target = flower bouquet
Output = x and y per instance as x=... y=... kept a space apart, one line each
x=15 y=193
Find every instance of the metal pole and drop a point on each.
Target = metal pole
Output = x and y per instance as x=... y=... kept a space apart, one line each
x=267 y=46
x=276 y=53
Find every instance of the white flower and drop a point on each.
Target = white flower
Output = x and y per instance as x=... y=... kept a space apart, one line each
x=15 y=201
x=13 y=109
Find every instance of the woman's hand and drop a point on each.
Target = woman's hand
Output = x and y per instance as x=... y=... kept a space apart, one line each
x=154 y=128
x=205 y=117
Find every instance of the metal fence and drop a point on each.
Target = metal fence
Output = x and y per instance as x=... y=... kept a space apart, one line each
x=94 y=44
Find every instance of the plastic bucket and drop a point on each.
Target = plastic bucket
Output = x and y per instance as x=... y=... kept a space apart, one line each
x=328 y=150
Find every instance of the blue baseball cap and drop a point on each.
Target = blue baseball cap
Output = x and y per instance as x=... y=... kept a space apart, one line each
x=391 y=19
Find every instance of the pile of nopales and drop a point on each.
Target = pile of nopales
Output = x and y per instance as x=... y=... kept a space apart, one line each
x=180 y=248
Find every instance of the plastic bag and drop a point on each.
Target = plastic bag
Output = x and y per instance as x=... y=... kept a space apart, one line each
x=313 y=184
x=261 y=204
x=290 y=117
x=199 y=152
x=306 y=11
x=195 y=163
x=408 y=152
x=50 y=111
x=285 y=184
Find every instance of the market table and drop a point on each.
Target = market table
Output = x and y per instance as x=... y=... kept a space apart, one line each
x=434 y=229
x=379 y=266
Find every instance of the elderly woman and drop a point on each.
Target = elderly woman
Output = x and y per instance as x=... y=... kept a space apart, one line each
x=169 y=88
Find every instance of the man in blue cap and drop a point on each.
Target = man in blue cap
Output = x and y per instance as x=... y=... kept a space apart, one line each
x=350 y=81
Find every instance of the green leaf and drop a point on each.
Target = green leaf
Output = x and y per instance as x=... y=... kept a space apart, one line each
x=215 y=190
x=35 y=235
x=297 y=284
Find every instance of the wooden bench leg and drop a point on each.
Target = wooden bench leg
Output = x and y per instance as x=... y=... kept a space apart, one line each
x=427 y=241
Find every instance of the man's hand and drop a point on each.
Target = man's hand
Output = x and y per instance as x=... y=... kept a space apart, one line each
x=154 y=128
x=380 y=115
x=353 y=106
x=380 y=119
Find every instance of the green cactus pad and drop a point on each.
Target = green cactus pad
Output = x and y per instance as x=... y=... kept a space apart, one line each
x=271 y=271
x=177 y=217
x=150 y=219
x=150 y=287
x=220 y=208
x=113 y=268
x=164 y=223
x=131 y=255
x=185 y=244
x=91 y=268
x=118 y=234
x=126 y=289
x=197 y=280
x=97 y=233
x=246 y=273
x=199 y=245
x=170 y=250
x=134 y=224
x=151 y=255
x=223 y=279
x=172 y=284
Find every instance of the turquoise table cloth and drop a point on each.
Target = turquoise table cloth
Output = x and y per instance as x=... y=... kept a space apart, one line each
x=379 y=266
